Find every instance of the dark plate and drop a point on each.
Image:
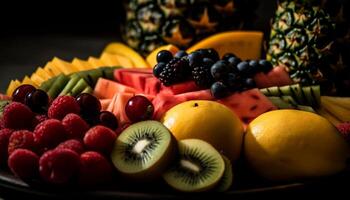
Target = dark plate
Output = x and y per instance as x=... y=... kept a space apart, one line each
x=22 y=54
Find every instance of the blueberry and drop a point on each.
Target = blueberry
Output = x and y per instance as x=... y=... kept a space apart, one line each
x=164 y=56
x=243 y=67
x=254 y=65
x=265 y=65
x=233 y=61
x=158 y=68
x=208 y=62
x=249 y=83
x=219 y=90
x=233 y=82
x=219 y=70
x=213 y=54
x=227 y=56
x=194 y=58
x=180 y=54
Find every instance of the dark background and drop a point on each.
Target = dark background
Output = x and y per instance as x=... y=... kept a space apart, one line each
x=33 y=32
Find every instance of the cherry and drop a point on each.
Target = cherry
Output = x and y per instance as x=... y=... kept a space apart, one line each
x=139 y=108
x=21 y=92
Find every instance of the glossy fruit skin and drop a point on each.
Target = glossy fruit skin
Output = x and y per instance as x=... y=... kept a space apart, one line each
x=89 y=104
x=158 y=68
x=266 y=66
x=164 y=56
x=219 y=70
x=180 y=54
x=21 y=92
x=37 y=100
x=227 y=56
x=139 y=108
x=219 y=90
x=243 y=67
x=108 y=119
x=249 y=83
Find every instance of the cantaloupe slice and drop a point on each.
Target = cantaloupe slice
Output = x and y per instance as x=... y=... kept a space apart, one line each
x=65 y=67
x=82 y=65
x=152 y=57
x=245 y=44
x=43 y=74
x=105 y=103
x=123 y=50
x=36 y=79
x=27 y=80
x=106 y=89
x=14 y=84
x=50 y=68
x=96 y=63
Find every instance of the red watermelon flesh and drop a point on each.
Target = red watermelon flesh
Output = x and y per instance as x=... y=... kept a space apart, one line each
x=248 y=104
x=188 y=86
x=278 y=76
x=163 y=102
x=106 y=89
x=133 y=78
x=152 y=86
x=197 y=95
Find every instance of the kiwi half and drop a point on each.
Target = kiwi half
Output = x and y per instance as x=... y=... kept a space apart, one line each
x=144 y=150
x=199 y=167
x=227 y=178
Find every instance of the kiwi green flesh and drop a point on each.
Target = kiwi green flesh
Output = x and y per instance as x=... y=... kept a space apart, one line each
x=227 y=178
x=142 y=149
x=198 y=168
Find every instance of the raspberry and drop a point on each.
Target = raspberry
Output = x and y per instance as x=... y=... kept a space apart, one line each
x=75 y=126
x=24 y=163
x=58 y=166
x=94 y=169
x=4 y=141
x=100 y=138
x=22 y=139
x=17 y=116
x=74 y=145
x=48 y=134
x=344 y=129
x=38 y=119
x=62 y=106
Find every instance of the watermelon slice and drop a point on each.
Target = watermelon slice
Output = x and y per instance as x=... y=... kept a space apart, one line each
x=106 y=89
x=248 y=104
x=278 y=76
x=133 y=78
x=163 y=102
x=152 y=86
x=188 y=86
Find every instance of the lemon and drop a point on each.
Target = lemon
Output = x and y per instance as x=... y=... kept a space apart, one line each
x=209 y=121
x=291 y=144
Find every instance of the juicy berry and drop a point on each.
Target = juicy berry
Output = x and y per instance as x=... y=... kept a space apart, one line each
x=100 y=138
x=24 y=164
x=73 y=144
x=219 y=70
x=139 y=108
x=62 y=106
x=108 y=119
x=58 y=166
x=175 y=71
x=37 y=100
x=265 y=65
x=164 y=56
x=17 y=116
x=158 y=68
x=94 y=169
x=75 y=126
x=227 y=56
x=89 y=104
x=219 y=90
x=180 y=54
x=22 y=139
x=249 y=83
x=243 y=67
x=49 y=134
x=4 y=141
x=21 y=92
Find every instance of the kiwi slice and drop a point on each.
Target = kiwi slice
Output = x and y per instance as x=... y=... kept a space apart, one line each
x=199 y=167
x=144 y=150
x=226 y=179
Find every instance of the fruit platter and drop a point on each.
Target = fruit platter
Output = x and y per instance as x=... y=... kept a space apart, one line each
x=186 y=105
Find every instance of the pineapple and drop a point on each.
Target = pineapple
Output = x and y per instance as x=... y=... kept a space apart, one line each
x=310 y=39
x=152 y=23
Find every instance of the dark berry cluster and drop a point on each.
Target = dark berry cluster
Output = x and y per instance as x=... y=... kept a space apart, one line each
x=223 y=76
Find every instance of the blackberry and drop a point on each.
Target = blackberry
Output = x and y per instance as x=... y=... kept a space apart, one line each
x=201 y=74
x=175 y=71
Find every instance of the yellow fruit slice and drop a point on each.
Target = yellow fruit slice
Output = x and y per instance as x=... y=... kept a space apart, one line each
x=340 y=101
x=36 y=79
x=110 y=59
x=341 y=113
x=245 y=44
x=50 y=68
x=95 y=62
x=152 y=57
x=324 y=113
x=43 y=74
x=82 y=65
x=121 y=49
x=12 y=86
x=64 y=66
x=124 y=61
x=27 y=80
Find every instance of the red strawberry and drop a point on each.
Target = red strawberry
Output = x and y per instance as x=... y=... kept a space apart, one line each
x=22 y=139
x=75 y=126
x=94 y=169
x=24 y=163
x=62 y=106
x=4 y=141
x=58 y=166
x=74 y=145
x=17 y=116
x=49 y=134
x=100 y=138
